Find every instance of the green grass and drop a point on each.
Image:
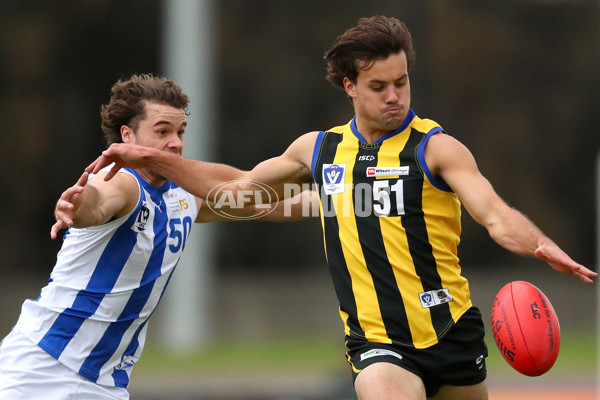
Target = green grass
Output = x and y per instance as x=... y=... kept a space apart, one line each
x=281 y=354
x=577 y=357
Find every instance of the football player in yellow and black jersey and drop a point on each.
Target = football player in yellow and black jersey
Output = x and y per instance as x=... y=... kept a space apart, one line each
x=390 y=187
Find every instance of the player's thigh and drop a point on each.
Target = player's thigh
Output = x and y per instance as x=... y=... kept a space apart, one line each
x=386 y=381
x=29 y=373
x=471 y=392
x=26 y=372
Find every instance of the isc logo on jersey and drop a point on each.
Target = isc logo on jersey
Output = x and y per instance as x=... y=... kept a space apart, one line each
x=366 y=158
x=334 y=178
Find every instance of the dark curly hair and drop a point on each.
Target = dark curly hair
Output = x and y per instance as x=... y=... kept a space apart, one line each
x=371 y=39
x=128 y=101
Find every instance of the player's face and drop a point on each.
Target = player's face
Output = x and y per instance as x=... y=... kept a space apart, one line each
x=381 y=95
x=162 y=129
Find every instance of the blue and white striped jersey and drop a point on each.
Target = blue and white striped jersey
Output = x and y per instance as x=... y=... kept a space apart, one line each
x=108 y=279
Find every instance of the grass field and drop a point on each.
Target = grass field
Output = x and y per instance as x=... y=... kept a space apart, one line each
x=310 y=364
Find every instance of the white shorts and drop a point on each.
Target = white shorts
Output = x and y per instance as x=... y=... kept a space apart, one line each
x=29 y=373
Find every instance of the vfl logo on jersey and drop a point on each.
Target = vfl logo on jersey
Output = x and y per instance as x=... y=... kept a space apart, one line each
x=142 y=219
x=435 y=297
x=334 y=178
x=387 y=171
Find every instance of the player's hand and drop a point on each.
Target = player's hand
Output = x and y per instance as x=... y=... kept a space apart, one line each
x=561 y=262
x=122 y=155
x=65 y=206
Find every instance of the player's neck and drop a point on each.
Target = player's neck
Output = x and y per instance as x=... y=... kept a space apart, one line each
x=370 y=132
x=151 y=177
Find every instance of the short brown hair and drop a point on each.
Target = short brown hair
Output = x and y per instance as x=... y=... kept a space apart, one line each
x=371 y=39
x=128 y=100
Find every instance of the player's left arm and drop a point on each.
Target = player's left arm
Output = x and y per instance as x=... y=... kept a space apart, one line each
x=301 y=206
x=64 y=211
x=94 y=202
x=452 y=162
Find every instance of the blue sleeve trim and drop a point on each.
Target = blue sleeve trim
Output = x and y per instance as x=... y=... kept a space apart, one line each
x=316 y=150
x=421 y=155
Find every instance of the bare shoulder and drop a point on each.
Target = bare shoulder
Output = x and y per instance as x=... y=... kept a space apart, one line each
x=441 y=141
x=123 y=187
x=443 y=151
x=123 y=181
x=302 y=148
x=293 y=166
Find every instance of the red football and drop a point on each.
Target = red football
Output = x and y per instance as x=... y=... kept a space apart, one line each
x=525 y=328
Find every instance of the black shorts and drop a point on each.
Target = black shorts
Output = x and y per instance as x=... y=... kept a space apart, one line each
x=457 y=360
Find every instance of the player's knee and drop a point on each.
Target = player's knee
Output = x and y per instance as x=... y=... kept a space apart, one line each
x=385 y=381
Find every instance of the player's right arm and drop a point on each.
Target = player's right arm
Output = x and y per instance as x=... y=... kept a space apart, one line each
x=96 y=202
x=199 y=178
x=451 y=161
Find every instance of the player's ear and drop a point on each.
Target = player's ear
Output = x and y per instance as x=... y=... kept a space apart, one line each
x=127 y=134
x=350 y=87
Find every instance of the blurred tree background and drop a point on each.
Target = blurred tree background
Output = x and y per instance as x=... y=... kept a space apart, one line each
x=516 y=81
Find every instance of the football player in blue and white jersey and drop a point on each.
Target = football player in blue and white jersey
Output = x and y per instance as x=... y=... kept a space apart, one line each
x=83 y=335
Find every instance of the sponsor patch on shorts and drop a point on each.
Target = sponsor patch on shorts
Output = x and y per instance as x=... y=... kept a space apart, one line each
x=379 y=352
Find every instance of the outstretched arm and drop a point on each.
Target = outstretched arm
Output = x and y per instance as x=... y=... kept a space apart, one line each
x=64 y=212
x=196 y=177
x=95 y=202
x=200 y=178
x=454 y=163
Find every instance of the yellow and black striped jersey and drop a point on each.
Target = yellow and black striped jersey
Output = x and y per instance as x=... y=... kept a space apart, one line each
x=391 y=232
